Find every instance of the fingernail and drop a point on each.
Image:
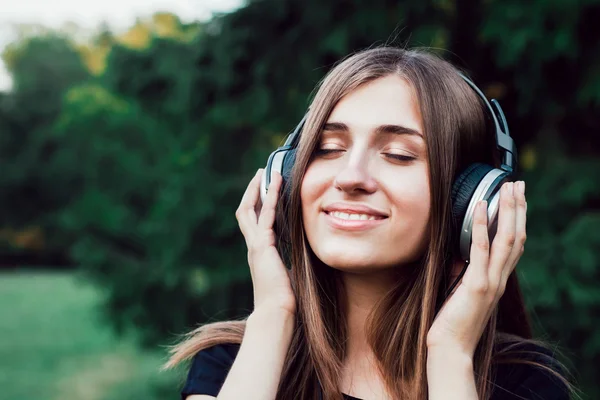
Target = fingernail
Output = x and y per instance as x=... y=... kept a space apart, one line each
x=511 y=188
x=483 y=206
x=522 y=187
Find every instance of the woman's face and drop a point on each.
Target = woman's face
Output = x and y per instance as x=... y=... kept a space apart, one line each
x=365 y=195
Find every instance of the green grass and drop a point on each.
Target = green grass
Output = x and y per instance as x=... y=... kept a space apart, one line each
x=54 y=345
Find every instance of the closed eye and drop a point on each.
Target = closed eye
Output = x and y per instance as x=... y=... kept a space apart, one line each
x=399 y=157
x=322 y=152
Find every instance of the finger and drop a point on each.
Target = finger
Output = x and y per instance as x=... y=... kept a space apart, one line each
x=504 y=241
x=267 y=213
x=520 y=230
x=246 y=214
x=477 y=272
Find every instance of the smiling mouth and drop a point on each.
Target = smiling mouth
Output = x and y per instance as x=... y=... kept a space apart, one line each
x=352 y=222
x=353 y=216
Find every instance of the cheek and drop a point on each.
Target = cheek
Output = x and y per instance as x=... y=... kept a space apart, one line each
x=414 y=199
x=315 y=182
x=412 y=206
x=408 y=190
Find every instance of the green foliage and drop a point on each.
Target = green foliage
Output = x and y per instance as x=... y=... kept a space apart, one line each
x=43 y=68
x=138 y=172
x=555 y=46
x=57 y=346
x=559 y=269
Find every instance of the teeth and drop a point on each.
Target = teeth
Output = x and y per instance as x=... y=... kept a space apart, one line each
x=343 y=215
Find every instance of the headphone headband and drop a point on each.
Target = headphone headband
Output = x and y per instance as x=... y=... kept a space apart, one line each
x=503 y=140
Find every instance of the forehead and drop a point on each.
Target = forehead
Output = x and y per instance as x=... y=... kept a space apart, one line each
x=388 y=100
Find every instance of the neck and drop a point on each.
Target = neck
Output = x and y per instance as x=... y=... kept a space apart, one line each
x=363 y=291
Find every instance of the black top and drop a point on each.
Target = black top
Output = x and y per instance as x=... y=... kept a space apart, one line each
x=513 y=381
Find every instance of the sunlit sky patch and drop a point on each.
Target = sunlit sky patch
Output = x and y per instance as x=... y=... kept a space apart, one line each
x=87 y=16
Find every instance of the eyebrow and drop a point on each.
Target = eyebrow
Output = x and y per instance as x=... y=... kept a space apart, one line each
x=381 y=129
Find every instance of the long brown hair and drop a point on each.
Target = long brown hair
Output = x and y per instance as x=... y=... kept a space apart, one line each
x=454 y=123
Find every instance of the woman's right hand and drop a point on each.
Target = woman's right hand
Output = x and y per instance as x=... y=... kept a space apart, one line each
x=270 y=279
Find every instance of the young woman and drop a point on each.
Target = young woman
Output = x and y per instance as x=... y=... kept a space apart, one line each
x=372 y=246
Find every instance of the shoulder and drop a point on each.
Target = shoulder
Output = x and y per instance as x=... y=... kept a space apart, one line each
x=524 y=370
x=209 y=368
x=219 y=355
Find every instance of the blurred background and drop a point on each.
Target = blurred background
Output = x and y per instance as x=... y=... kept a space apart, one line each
x=129 y=130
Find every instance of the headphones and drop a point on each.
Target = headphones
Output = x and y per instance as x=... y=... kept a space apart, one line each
x=477 y=182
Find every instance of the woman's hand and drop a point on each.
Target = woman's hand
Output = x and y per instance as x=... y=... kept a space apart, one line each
x=463 y=317
x=270 y=278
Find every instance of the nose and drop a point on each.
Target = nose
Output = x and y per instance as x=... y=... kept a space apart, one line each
x=354 y=177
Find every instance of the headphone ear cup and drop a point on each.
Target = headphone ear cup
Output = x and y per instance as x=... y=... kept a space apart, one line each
x=286 y=172
x=463 y=189
x=284 y=166
x=281 y=161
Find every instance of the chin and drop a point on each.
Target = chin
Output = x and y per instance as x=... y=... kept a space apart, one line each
x=349 y=266
x=359 y=259
x=349 y=259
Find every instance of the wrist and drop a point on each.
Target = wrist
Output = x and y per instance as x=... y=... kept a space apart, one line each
x=273 y=325
x=275 y=304
x=446 y=355
x=267 y=314
x=450 y=374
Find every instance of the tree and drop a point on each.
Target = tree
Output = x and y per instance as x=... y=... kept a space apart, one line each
x=42 y=68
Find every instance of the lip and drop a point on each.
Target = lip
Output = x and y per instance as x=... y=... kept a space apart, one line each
x=353 y=225
x=354 y=209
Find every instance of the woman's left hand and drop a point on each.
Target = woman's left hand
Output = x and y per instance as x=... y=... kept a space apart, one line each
x=462 y=319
